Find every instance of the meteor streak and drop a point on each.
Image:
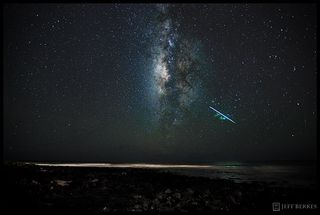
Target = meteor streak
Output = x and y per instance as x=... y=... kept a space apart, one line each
x=221 y=114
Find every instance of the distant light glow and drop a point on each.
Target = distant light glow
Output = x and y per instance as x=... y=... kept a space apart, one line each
x=134 y=165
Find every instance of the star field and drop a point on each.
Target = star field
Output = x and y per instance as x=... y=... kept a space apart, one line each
x=134 y=82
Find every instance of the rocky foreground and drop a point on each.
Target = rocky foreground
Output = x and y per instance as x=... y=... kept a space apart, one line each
x=30 y=188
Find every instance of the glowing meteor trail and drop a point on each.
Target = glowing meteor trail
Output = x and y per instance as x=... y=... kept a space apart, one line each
x=221 y=114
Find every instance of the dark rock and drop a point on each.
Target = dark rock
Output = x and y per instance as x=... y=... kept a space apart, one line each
x=137 y=196
x=62 y=182
x=190 y=191
x=167 y=191
x=105 y=209
x=160 y=196
x=177 y=195
x=145 y=205
x=81 y=190
x=35 y=182
x=94 y=180
x=194 y=203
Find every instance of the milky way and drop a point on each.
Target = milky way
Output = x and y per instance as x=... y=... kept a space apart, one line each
x=134 y=82
x=176 y=68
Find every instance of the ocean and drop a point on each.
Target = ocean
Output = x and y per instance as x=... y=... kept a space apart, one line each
x=288 y=174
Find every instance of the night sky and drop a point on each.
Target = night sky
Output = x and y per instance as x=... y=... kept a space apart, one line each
x=134 y=82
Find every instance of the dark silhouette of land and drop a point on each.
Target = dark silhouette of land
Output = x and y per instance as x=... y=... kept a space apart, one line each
x=31 y=188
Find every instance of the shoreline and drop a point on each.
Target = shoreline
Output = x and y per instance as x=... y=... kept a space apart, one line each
x=98 y=190
x=296 y=174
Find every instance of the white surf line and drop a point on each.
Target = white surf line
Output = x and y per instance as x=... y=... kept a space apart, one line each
x=109 y=165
